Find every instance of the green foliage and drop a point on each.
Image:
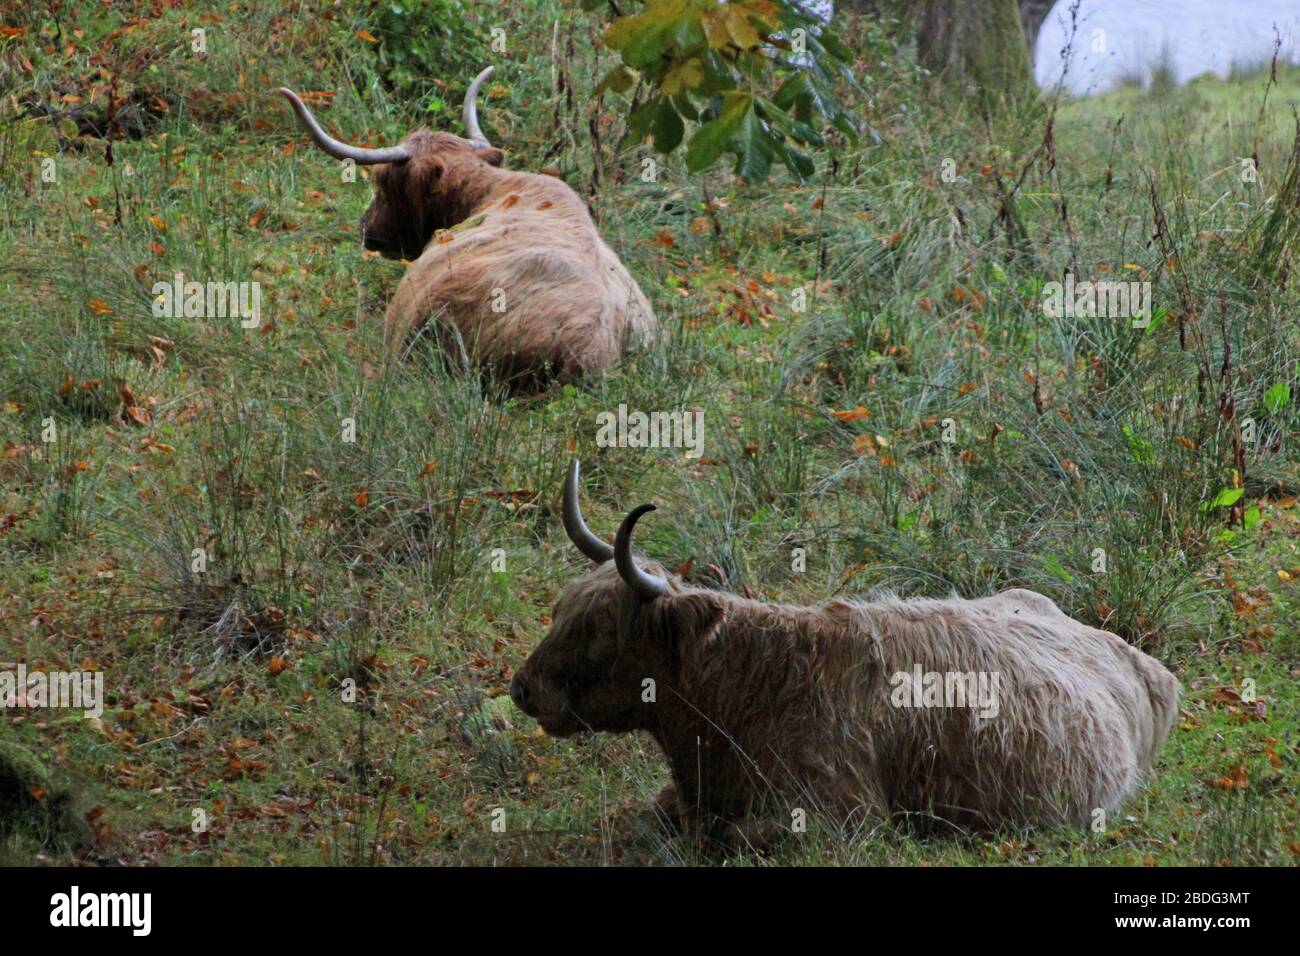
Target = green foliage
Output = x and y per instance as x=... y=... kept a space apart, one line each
x=754 y=78
x=33 y=806
x=419 y=41
x=1277 y=397
x=1226 y=498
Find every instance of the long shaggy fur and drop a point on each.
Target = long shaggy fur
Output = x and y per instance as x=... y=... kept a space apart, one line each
x=511 y=262
x=780 y=707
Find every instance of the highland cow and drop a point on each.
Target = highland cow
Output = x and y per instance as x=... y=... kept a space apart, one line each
x=763 y=709
x=509 y=262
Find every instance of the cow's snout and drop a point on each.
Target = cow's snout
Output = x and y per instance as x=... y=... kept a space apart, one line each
x=520 y=694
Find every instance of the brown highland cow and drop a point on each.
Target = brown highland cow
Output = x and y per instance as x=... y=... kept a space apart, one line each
x=983 y=713
x=510 y=262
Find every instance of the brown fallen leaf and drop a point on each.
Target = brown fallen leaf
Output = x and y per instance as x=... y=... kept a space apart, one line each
x=141 y=416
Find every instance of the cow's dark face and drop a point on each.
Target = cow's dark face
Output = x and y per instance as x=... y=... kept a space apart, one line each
x=611 y=661
x=606 y=662
x=435 y=189
x=587 y=672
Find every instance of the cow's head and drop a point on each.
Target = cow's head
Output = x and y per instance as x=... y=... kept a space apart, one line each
x=612 y=630
x=429 y=181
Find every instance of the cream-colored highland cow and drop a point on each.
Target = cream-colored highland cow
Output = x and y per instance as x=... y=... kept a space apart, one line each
x=979 y=714
x=510 y=262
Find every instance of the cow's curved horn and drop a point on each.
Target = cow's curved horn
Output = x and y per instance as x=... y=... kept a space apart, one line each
x=646 y=586
x=339 y=150
x=470 y=112
x=577 y=529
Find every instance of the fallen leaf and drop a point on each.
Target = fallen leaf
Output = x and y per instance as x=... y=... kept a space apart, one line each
x=852 y=415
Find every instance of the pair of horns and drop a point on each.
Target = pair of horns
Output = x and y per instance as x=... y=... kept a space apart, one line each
x=646 y=586
x=392 y=154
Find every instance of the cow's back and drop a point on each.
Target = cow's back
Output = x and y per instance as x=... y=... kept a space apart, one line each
x=526 y=285
x=1077 y=716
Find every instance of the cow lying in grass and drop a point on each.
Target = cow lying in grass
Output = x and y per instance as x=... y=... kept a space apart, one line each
x=509 y=262
x=766 y=709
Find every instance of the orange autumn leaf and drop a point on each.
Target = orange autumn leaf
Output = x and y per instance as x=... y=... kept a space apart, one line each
x=277 y=666
x=865 y=446
x=158 y=223
x=664 y=239
x=362 y=498
x=429 y=468
x=853 y=414
x=256 y=218
x=141 y=416
x=367 y=36
x=100 y=307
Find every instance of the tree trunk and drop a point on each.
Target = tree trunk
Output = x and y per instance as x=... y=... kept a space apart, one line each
x=976 y=45
x=1032 y=15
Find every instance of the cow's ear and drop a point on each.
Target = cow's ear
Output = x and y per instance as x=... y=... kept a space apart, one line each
x=432 y=169
x=492 y=156
x=694 y=616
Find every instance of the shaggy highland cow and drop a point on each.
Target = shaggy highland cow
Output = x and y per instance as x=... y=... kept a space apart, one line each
x=849 y=708
x=515 y=266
